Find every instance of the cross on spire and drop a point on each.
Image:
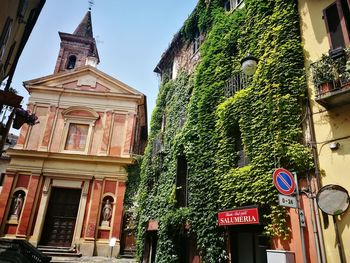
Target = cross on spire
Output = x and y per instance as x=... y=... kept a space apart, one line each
x=91 y=3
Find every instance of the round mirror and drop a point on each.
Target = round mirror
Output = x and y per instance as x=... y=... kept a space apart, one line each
x=333 y=199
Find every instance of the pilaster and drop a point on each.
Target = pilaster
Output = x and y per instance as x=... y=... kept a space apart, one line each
x=5 y=199
x=130 y=133
x=117 y=224
x=48 y=129
x=93 y=215
x=26 y=213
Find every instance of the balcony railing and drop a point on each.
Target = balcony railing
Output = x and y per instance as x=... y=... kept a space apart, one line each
x=158 y=147
x=331 y=77
x=235 y=83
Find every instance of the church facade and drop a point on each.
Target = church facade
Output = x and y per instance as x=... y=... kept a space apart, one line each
x=65 y=184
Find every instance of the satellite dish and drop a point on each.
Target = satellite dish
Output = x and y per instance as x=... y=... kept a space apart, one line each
x=333 y=199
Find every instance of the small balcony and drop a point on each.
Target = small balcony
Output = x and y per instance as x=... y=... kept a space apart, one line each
x=235 y=83
x=158 y=147
x=331 y=77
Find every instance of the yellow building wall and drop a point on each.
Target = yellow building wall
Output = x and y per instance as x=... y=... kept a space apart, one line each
x=329 y=125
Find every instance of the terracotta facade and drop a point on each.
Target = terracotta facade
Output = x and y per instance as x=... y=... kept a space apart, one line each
x=64 y=169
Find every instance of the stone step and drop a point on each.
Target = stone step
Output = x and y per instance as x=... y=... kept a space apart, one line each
x=67 y=250
x=60 y=254
x=130 y=256
x=62 y=260
x=56 y=247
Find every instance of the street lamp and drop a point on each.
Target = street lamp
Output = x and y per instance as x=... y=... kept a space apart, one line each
x=249 y=64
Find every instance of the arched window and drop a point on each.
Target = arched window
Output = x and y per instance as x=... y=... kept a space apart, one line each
x=71 y=62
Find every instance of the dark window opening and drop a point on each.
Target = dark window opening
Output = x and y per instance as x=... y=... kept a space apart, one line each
x=2 y=178
x=9 y=56
x=227 y=6
x=182 y=118
x=181 y=181
x=163 y=122
x=243 y=159
x=231 y=4
x=22 y=8
x=346 y=13
x=196 y=42
x=71 y=62
x=167 y=73
x=337 y=19
x=158 y=145
x=334 y=27
x=5 y=33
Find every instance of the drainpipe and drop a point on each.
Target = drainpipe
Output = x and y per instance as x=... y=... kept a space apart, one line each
x=315 y=212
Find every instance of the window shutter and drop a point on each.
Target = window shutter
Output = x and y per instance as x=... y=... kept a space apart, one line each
x=334 y=30
x=344 y=11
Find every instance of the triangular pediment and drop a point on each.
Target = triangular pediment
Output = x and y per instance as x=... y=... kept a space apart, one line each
x=86 y=78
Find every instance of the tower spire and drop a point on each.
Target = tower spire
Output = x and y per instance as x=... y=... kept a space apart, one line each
x=78 y=49
x=84 y=29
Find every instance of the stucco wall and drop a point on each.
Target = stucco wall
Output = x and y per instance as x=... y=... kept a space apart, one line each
x=332 y=124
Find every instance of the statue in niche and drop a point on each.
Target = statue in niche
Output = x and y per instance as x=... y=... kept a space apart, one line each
x=106 y=213
x=16 y=207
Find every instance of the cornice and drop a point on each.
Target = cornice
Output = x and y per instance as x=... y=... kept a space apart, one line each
x=86 y=93
x=66 y=75
x=97 y=107
x=42 y=156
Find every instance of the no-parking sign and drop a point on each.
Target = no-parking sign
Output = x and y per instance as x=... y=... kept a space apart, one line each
x=284 y=181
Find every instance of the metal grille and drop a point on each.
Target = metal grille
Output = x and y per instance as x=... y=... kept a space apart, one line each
x=335 y=71
x=158 y=145
x=235 y=83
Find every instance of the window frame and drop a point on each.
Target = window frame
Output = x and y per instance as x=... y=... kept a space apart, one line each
x=196 y=43
x=181 y=181
x=85 y=120
x=22 y=9
x=5 y=35
x=344 y=30
x=9 y=55
x=232 y=4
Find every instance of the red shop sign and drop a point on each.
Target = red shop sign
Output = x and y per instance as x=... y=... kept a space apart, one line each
x=245 y=216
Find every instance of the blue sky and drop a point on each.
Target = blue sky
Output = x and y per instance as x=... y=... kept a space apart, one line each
x=131 y=37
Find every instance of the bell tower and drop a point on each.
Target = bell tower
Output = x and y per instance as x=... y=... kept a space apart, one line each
x=77 y=49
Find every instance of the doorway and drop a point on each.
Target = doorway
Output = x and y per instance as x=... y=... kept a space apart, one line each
x=61 y=217
x=248 y=247
x=149 y=253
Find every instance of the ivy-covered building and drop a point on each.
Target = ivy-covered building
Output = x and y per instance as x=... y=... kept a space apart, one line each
x=217 y=135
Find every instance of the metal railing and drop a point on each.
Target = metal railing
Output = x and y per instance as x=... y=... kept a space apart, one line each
x=334 y=71
x=23 y=249
x=235 y=83
x=158 y=146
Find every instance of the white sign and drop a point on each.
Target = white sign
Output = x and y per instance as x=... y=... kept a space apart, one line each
x=287 y=200
x=112 y=241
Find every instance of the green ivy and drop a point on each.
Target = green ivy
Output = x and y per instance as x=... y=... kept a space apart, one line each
x=266 y=116
x=130 y=198
x=157 y=186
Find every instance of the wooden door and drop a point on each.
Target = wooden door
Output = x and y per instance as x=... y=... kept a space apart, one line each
x=61 y=217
